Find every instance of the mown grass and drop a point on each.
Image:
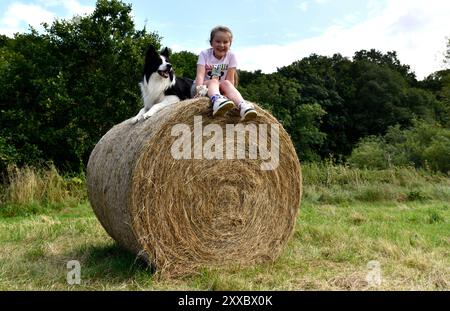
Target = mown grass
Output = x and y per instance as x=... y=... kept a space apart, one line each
x=348 y=218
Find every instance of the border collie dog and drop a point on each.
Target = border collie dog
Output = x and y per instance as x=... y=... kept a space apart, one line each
x=159 y=87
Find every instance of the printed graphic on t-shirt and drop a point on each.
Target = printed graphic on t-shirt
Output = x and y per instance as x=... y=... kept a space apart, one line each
x=216 y=70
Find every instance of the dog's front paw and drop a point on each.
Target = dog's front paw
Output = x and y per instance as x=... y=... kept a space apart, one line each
x=148 y=115
x=201 y=90
x=137 y=119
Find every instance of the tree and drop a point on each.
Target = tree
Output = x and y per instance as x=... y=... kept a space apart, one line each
x=438 y=84
x=317 y=75
x=447 y=53
x=185 y=64
x=300 y=117
x=63 y=89
x=359 y=97
x=389 y=59
x=378 y=92
x=378 y=98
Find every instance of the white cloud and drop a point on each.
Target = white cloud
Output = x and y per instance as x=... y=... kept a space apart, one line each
x=72 y=7
x=415 y=29
x=18 y=15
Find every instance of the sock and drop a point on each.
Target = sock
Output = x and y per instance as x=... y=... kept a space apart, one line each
x=214 y=97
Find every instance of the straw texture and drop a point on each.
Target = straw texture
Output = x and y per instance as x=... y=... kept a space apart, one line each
x=182 y=214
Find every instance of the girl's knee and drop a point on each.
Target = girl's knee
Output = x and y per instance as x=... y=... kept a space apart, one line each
x=226 y=83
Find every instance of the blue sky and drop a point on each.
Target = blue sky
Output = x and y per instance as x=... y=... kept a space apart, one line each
x=254 y=22
x=274 y=33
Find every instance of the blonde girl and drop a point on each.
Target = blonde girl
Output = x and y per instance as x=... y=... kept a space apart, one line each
x=216 y=69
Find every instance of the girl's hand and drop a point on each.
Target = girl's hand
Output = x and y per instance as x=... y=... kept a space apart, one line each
x=200 y=90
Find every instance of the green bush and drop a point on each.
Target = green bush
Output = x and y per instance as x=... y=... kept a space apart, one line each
x=370 y=153
x=425 y=145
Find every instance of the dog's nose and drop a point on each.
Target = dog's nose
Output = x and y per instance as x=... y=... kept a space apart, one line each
x=169 y=66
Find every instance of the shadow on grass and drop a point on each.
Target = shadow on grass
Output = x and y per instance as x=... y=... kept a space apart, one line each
x=112 y=263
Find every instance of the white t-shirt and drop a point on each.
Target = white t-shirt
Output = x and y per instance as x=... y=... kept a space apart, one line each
x=214 y=66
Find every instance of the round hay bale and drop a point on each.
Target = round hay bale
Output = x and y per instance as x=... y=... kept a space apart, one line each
x=181 y=208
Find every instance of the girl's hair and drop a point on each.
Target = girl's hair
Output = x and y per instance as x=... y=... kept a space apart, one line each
x=220 y=28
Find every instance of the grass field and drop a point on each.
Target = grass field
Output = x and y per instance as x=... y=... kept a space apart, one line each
x=391 y=226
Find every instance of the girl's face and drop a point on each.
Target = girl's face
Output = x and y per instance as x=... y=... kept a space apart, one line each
x=221 y=44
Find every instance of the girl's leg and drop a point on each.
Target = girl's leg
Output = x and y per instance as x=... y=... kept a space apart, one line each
x=227 y=88
x=247 y=110
x=213 y=87
x=220 y=104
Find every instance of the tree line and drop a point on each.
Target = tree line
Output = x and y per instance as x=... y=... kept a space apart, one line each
x=64 y=88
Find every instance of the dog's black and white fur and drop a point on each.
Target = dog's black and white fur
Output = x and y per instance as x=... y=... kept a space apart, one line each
x=160 y=87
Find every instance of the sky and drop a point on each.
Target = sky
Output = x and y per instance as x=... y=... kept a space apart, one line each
x=269 y=34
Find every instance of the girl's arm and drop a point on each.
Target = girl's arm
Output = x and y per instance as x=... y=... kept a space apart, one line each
x=200 y=78
x=230 y=75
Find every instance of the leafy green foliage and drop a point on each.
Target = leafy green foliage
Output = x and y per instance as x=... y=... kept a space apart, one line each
x=424 y=145
x=439 y=84
x=447 y=53
x=319 y=86
x=389 y=59
x=359 y=98
x=185 y=64
x=283 y=98
x=65 y=88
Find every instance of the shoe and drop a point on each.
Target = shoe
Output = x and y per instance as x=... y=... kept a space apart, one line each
x=248 y=112
x=221 y=105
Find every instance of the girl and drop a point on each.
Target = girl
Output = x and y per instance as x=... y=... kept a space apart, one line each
x=216 y=68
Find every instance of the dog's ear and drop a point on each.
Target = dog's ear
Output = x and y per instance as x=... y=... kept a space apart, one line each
x=151 y=61
x=151 y=56
x=165 y=52
x=151 y=52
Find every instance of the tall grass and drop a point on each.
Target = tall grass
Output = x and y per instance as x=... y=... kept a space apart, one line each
x=326 y=182
x=32 y=190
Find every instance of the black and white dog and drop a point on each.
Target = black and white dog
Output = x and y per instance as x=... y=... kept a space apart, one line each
x=160 y=87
